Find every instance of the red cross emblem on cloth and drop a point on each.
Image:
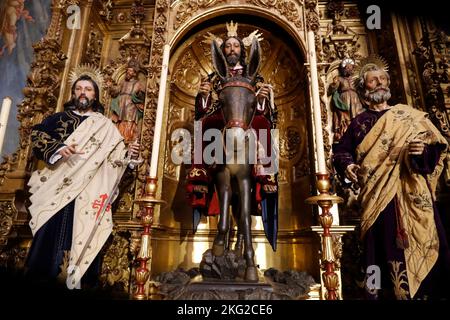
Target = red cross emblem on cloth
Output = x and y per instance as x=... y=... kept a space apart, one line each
x=99 y=204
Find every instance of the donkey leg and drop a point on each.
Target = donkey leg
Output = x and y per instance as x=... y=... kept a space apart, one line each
x=239 y=243
x=236 y=206
x=224 y=192
x=251 y=273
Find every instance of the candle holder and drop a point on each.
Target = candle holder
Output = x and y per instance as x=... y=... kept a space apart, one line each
x=325 y=201
x=147 y=203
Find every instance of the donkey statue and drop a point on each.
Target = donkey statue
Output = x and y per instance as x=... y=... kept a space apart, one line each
x=234 y=178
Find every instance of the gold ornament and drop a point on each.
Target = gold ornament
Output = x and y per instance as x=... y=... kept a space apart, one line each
x=232 y=29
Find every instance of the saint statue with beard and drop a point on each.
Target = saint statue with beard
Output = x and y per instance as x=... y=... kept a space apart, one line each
x=394 y=154
x=201 y=192
x=81 y=149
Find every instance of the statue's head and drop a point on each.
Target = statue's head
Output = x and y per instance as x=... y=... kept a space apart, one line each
x=234 y=51
x=231 y=51
x=132 y=69
x=346 y=67
x=85 y=95
x=373 y=84
x=87 y=82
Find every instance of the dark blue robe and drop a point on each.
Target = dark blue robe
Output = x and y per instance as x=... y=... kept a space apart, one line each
x=46 y=254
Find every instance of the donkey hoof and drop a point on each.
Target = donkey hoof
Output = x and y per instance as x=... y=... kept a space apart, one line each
x=251 y=274
x=218 y=249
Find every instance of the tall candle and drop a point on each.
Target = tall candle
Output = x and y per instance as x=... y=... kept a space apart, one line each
x=159 y=112
x=320 y=151
x=6 y=108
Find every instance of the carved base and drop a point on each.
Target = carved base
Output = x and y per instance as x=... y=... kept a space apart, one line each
x=228 y=266
x=276 y=285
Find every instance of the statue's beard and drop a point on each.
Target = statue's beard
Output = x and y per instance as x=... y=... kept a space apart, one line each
x=378 y=95
x=232 y=59
x=83 y=103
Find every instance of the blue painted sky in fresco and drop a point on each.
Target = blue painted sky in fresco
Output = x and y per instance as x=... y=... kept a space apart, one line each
x=15 y=67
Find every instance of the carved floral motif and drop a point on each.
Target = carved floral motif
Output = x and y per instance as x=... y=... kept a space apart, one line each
x=116 y=262
x=286 y=8
x=7 y=214
x=94 y=47
x=188 y=8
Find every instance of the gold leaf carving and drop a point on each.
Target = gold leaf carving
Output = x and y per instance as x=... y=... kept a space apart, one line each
x=188 y=8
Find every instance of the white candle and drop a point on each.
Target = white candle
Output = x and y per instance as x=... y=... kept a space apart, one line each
x=159 y=113
x=320 y=151
x=6 y=107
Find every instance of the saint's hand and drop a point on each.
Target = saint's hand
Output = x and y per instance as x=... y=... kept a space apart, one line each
x=416 y=147
x=268 y=188
x=133 y=150
x=205 y=88
x=68 y=151
x=352 y=172
x=263 y=93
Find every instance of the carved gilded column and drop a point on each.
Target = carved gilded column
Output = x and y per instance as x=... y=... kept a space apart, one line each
x=433 y=54
x=146 y=189
x=40 y=99
x=154 y=71
x=324 y=200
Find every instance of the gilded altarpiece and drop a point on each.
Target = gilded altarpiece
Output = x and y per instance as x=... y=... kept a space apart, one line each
x=113 y=32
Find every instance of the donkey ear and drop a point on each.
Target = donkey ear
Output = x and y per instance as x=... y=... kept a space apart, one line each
x=254 y=61
x=218 y=60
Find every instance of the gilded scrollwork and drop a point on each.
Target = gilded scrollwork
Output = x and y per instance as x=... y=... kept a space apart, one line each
x=286 y=8
x=7 y=214
x=284 y=75
x=116 y=262
x=187 y=74
x=94 y=47
x=153 y=79
x=176 y=113
x=42 y=85
x=170 y=169
x=13 y=256
x=432 y=53
x=188 y=8
x=337 y=249
x=324 y=117
x=59 y=9
x=340 y=41
x=8 y=165
x=176 y=118
x=312 y=15
x=282 y=176
x=106 y=11
x=290 y=143
x=302 y=169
